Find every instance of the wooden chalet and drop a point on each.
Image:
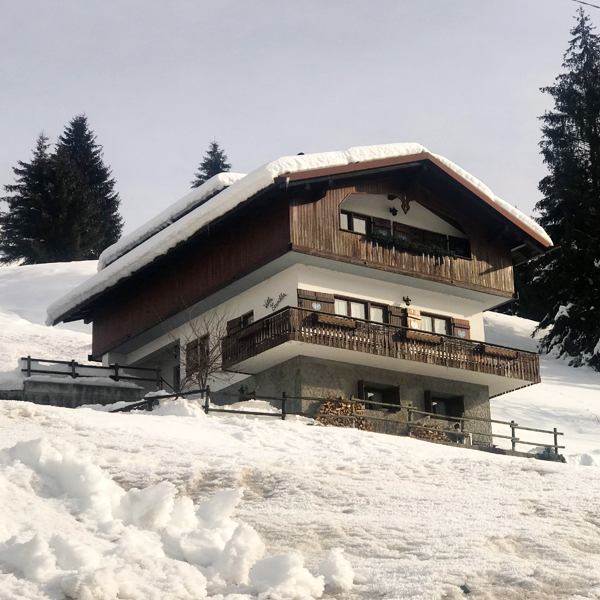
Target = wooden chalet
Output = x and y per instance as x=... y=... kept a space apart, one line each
x=363 y=274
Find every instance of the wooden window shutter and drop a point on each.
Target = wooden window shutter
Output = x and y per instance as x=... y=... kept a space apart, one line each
x=309 y=300
x=461 y=328
x=397 y=316
x=234 y=325
x=191 y=357
x=413 y=318
x=428 y=403
x=327 y=302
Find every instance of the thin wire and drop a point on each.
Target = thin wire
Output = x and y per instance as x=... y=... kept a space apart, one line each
x=586 y=3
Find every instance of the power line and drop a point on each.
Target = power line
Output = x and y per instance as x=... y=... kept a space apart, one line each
x=586 y=3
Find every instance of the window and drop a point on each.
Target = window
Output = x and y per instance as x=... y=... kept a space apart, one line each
x=247 y=318
x=356 y=309
x=460 y=246
x=452 y=406
x=196 y=355
x=377 y=314
x=352 y=222
x=435 y=324
x=376 y=394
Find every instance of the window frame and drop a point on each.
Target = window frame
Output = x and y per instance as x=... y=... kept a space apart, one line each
x=368 y=306
x=350 y=216
x=434 y=317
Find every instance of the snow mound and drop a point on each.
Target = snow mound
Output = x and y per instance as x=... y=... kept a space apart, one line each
x=179 y=407
x=284 y=577
x=174 y=212
x=254 y=406
x=69 y=528
x=145 y=246
x=337 y=571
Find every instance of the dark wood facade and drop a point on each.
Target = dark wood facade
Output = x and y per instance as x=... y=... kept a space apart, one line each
x=316 y=230
x=200 y=267
x=304 y=219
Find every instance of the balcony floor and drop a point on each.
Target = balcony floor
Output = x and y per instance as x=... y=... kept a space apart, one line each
x=497 y=384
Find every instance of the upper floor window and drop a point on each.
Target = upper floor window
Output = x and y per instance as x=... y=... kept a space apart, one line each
x=435 y=324
x=348 y=307
x=353 y=222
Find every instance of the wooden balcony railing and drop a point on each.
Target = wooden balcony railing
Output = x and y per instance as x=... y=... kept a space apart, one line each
x=312 y=327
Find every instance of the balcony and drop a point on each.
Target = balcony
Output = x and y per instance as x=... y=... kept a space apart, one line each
x=294 y=331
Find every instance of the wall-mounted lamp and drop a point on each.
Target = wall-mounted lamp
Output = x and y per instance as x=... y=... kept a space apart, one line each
x=407 y=300
x=394 y=211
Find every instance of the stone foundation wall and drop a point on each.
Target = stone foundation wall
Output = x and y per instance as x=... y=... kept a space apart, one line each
x=71 y=395
x=308 y=377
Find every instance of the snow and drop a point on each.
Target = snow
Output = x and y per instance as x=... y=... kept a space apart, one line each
x=142 y=253
x=174 y=212
x=567 y=398
x=25 y=292
x=175 y=504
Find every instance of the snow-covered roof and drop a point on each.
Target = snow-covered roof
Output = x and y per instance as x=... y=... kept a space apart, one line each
x=173 y=213
x=154 y=239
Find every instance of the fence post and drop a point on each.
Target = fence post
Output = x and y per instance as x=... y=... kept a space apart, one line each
x=29 y=366
x=556 y=441
x=73 y=371
x=283 y=410
x=206 y=399
x=116 y=366
x=158 y=379
x=352 y=415
x=513 y=430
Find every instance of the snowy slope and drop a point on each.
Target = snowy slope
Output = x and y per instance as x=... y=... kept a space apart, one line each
x=568 y=398
x=92 y=510
x=177 y=505
x=25 y=292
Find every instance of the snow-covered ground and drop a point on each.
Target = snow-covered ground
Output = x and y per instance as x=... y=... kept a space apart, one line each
x=177 y=505
x=25 y=292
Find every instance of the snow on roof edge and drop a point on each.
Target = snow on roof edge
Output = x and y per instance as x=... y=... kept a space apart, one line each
x=171 y=214
x=165 y=239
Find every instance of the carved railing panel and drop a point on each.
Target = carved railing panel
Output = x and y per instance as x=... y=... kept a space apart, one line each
x=301 y=325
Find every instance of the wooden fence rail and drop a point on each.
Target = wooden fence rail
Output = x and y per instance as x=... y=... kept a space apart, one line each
x=75 y=370
x=204 y=394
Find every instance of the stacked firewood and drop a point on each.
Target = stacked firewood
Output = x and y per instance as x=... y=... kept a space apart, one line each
x=341 y=406
x=426 y=434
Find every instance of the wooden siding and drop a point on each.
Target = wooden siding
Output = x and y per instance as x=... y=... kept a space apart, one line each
x=316 y=230
x=227 y=251
x=294 y=324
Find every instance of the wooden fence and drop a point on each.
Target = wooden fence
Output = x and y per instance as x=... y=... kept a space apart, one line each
x=204 y=400
x=70 y=368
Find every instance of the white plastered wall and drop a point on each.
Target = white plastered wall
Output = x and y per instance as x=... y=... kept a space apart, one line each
x=378 y=205
x=285 y=284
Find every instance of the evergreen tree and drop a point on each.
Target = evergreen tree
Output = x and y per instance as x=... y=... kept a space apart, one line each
x=567 y=281
x=78 y=144
x=63 y=205
x=214 y=162
x=26 y=229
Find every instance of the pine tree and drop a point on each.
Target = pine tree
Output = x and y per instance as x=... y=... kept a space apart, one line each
x=63 y=205
x=78 y=144
x=26 y=228
x=567 y=281
x=214 y=162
